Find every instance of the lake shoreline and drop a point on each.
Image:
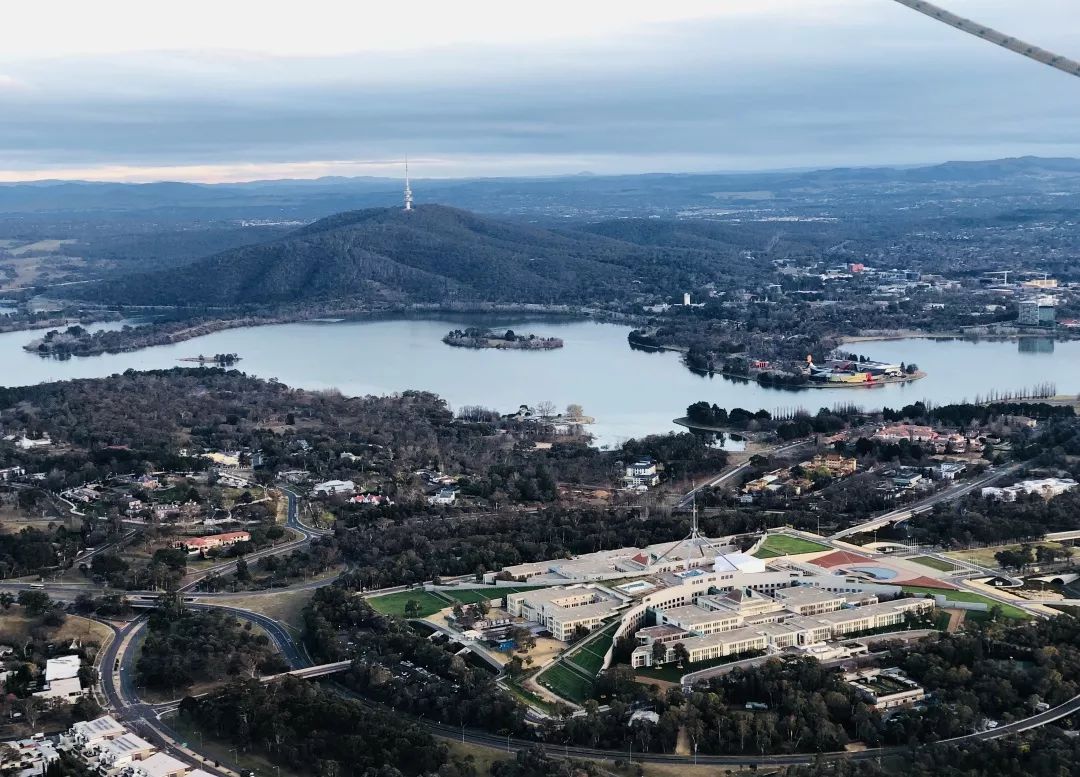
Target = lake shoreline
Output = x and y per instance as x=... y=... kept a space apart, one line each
x=630 y=392
x=170 y=333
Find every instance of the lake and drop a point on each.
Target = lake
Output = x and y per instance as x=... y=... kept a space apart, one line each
x=629 y=392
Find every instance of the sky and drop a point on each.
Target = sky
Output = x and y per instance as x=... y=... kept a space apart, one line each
x=230 y=90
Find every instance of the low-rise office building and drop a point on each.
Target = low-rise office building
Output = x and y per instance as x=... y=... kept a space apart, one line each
x=566 y=609
x=794 y=631
x=885 y=688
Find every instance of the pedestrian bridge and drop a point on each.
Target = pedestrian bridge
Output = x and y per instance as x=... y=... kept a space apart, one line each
x=308 y=672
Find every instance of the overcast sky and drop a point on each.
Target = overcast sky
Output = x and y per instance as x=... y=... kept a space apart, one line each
x=238 y=89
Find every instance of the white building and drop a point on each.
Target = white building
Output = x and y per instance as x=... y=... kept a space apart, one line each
x=885 y=688
x=1047 y=488
x=28 y=444
x=91 y=733
x=563 y=610
x=792 y=631
x=160 y=765
x=444 y=496
x=11 y=473
x=641 y=473
x=62 y=679
x=334 y=488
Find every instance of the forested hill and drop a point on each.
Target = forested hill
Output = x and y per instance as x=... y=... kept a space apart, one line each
x=432 y=254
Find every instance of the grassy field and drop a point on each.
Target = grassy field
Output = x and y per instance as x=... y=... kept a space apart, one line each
x=782 y=545
x=566 y=683
x=933 y=563
x=523 y=694
x=15 y=628
x=471 y=596
x=1008 y=610
x=590 y=656
x=394 y=604
x=286 y=608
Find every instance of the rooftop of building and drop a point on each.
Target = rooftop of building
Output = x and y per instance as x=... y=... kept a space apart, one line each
x=691 y=615
x=805 y=594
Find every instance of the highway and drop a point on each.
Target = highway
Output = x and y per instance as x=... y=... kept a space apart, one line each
x=950 y=494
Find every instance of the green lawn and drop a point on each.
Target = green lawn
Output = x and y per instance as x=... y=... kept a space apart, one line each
x=672 y=673
x=783 y=545
x=566 y=683
x=590 y=656
x=1008 y=610
x=934 y=563
x=394 y=604
x=474 y=595
x=523 y=694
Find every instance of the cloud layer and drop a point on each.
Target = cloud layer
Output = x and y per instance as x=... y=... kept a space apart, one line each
x=736 y=85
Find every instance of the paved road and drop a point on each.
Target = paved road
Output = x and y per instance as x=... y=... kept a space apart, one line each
x=949 y=494
x=688 y=498
x=293 y=522
x=118 y=684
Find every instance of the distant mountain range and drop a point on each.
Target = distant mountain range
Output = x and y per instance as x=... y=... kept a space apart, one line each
x=536 y=198
x=441 y=254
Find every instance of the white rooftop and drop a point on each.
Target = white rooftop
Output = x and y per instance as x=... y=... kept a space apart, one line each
x=162 y=765
x=62 y=668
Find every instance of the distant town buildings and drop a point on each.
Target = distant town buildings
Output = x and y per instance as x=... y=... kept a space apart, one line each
x=29 y=757
x=1037 y=311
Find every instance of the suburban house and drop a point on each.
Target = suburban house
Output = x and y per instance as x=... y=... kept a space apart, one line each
x=212 y=541
x=834 y=464
x=11 y=473
x=907 y=432
x=641 y=473
x=444 y=496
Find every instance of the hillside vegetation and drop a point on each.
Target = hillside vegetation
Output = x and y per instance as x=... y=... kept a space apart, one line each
x=432 y=254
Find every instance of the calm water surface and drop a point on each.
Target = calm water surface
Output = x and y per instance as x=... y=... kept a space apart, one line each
x=630 y=393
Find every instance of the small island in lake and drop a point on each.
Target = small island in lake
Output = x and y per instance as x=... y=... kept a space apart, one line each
x=220 y=359
x=474 y=337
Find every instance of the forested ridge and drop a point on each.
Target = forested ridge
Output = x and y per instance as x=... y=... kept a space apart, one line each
x=434 y=254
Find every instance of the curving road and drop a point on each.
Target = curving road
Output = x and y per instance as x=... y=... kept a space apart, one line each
x=950 y=494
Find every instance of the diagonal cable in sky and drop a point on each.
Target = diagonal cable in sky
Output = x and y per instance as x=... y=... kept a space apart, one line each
x=1064 y=64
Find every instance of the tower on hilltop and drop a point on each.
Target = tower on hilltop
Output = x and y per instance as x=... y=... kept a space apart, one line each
x=408 y=191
